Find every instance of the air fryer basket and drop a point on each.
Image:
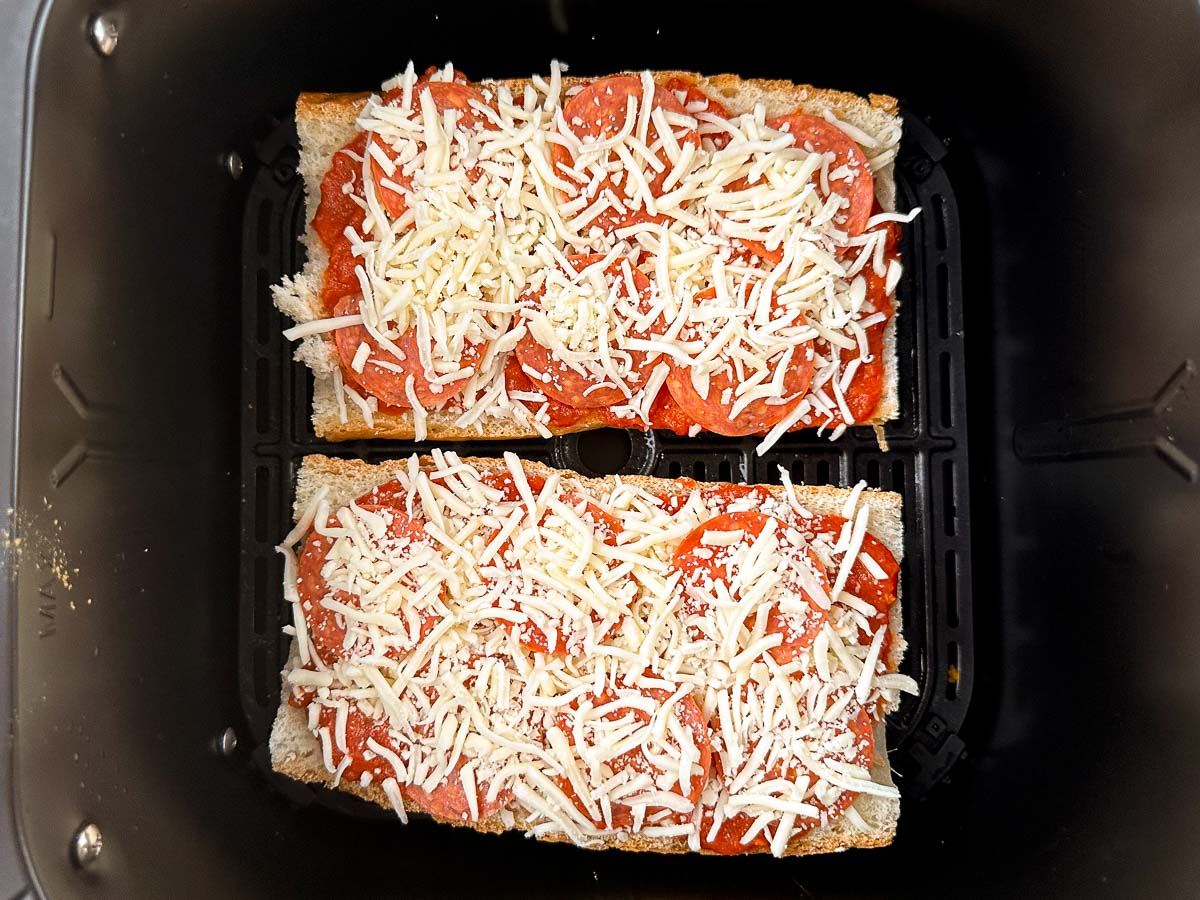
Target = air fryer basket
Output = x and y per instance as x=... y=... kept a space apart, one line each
x=926 y=460
x=1049 y=296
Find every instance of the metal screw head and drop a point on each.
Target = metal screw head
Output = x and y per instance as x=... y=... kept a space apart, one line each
x=227 y=742
x=232 y=163
x=103 y=32
x=86 y=844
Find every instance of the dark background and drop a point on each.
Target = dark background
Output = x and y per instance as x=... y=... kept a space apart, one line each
x=1073 y=130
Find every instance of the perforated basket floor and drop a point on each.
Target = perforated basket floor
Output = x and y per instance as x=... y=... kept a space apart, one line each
x=926 y=460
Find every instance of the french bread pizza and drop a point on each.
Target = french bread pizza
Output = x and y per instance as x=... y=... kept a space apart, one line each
x=628 y=662
x=508 y=259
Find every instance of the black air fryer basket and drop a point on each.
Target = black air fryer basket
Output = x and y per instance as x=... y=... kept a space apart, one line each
x=1049 y=319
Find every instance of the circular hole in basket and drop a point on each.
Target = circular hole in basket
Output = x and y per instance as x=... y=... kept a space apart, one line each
x=606 y=451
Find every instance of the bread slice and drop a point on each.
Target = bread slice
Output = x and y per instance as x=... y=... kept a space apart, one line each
x=295 y=752
x=326 y=122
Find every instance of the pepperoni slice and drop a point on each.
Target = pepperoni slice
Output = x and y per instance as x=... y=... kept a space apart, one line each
x=695 y=101
x=725 y=495
x=744 y=250
x=390 y=493
x=361 y=728
x=824 y=137
x=448 y=800
x=583 y=390
x=715 y=412
x=606 y=524
x=865 y=636
x=729 y=837
x=327 y=628
x=759 y=249
x=635 y=763
x=598 y=112
x=891 y=243
x=719 y=496
x=503 y=482
x=386 y=384
x=300 y=697
x=446 y=95
x=339 y=279
x=566 y=635
x=516 y=380
x=664 y=414
x=866 y=387
x=702 y=564
x=879 y=592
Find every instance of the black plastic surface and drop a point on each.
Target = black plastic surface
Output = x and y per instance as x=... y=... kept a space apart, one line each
x=1070 y=127
x=926 y=460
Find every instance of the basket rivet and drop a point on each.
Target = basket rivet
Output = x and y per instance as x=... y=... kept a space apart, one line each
x=231 y=162
x=103 y=32
x=227 y=742
x=285 y=171
x=86 y=844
